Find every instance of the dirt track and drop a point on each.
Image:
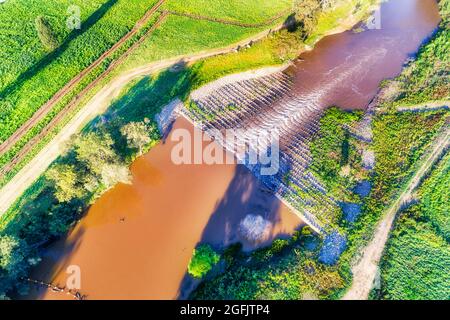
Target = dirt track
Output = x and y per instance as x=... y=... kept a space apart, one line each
x=366 y=269
x=36 y=167
x=44 y=110
x=11 y=191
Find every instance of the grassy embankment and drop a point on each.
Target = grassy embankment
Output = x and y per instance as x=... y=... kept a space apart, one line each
x=47 y=210
x=418 y=253
x=176 y=36
x=400 y=140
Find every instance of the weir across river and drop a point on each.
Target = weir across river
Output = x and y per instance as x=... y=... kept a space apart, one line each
x=258 y=107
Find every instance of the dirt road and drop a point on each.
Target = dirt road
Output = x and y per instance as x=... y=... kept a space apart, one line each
x=366 y=269
x=36 y=167
x=45 y=109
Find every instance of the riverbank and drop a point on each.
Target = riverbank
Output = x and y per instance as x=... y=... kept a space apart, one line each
x=186 y=35
x=143 y=100
x=161 y=232
x=399 y=140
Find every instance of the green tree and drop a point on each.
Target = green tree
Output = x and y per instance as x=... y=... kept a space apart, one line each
x=46 y=34
x=11 y=254
x=65 y=181
x=137 y=134
x=306 y=13
x=202 y=261
x=95 y=151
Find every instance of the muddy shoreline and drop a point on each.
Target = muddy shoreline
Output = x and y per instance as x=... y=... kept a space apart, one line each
x=136 y=241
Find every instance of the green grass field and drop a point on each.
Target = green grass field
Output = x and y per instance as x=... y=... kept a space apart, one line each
x=25 y=87
x=418 y=252
x=256 y=11
x=40 y=80
x=21 y=48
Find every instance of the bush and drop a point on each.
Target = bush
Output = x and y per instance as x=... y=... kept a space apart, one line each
x=45 y=34
x=202 y=261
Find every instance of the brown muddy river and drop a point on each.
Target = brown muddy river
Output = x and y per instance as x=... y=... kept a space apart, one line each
x=136 y=240
x=346 y=69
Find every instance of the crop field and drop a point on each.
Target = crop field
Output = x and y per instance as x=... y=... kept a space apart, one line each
x=26 y=87
x=21 y=48
x=41 y=80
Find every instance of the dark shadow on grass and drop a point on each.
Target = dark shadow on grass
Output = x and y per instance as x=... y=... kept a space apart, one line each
x=49 y=58
x=144 y=100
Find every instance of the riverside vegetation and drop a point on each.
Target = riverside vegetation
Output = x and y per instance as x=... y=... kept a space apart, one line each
x=399 y=142
x=48 y=210
x=55 y=55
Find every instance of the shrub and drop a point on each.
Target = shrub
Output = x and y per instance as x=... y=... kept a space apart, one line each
x=202 y=261
x=45 y=34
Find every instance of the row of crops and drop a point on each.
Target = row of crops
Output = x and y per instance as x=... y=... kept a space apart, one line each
x=25 y=87
x=41 y=79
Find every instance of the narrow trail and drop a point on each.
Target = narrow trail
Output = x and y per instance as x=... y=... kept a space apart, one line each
x=45 y=109
x=429 y=106
x=10 y=192
x=365 y=271
x=31 y=172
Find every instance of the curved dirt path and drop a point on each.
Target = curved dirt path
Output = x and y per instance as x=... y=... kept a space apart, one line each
x=31 y=172
x=46 y=108
x=37 y=166
x=366 y=269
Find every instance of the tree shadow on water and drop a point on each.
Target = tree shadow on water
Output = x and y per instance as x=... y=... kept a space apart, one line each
x=55 y=258
x=55 y=54
x=245 y=195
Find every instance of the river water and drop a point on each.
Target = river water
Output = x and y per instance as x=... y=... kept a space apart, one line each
x=136 y=240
